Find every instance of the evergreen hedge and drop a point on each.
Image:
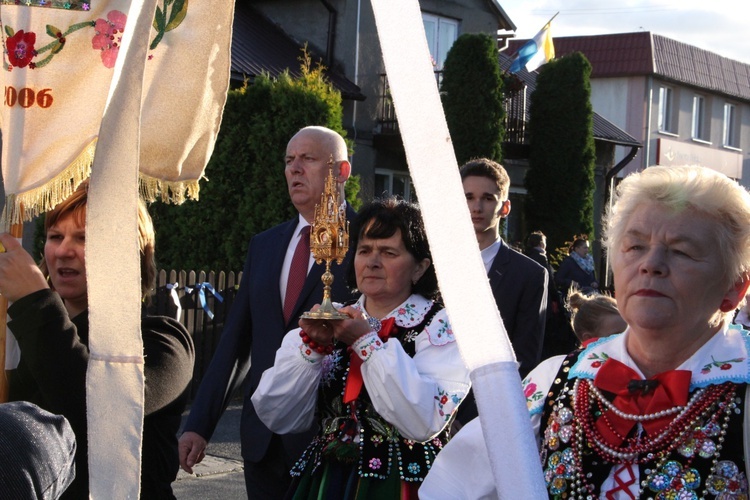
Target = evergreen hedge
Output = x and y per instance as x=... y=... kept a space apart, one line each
x=472 y=94
x=245 y=191
x=560 y=179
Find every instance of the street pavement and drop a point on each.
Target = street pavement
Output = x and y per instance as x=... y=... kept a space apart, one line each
x=219 y=475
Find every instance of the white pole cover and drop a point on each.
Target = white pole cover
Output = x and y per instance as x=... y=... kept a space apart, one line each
x=479 y=330
x=114 y=380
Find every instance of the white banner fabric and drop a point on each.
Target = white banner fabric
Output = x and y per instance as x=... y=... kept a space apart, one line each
x=481 y=336
x=57 y=69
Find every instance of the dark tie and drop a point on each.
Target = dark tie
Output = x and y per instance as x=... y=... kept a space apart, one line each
x=636 y=396
x=297 y=273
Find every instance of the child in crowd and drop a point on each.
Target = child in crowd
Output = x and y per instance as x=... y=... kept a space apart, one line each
x=593 y=316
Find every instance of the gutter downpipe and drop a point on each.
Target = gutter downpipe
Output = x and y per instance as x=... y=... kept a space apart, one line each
x=609 y=184
x=356 y=69
x=649 y=113
x=609 y=180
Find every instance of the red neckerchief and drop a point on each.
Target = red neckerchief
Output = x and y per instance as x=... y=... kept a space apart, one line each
x=354 y=380
x=636 y=396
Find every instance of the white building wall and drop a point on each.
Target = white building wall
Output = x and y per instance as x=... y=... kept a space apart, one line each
x=632 y=103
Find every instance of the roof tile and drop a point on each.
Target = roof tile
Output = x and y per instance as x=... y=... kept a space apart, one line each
x=644 y=53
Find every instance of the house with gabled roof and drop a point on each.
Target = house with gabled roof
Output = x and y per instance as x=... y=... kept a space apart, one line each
x=686 y=104
x=268 y=35
x=342 y=34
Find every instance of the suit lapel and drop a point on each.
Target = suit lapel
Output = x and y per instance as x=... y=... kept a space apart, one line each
x=499 y=265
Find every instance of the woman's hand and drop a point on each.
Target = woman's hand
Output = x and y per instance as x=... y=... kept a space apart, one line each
x=349 y=331
x=319 y=331
x=19 y=274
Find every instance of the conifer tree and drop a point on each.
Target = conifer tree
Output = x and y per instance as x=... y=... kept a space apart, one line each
x=472 y=94
x=560 y=179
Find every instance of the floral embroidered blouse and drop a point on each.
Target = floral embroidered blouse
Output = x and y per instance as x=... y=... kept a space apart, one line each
x=724 y=358
x=416 y=394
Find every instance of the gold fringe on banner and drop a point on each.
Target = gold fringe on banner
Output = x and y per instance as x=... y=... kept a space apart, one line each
x=175 y=192
x=44 y=198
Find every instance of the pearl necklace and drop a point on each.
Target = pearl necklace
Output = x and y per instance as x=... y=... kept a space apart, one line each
x=642 y=418
x=685 y=417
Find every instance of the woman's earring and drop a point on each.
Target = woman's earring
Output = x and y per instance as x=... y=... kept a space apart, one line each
x=726 y=306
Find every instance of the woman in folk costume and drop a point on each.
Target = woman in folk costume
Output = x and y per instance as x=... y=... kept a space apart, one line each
x=383 y=385
x=658 y=411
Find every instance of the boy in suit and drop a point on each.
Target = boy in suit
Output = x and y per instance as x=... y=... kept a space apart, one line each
x=518 y=283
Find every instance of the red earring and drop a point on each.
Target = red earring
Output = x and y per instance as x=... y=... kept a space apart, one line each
x=726 y=306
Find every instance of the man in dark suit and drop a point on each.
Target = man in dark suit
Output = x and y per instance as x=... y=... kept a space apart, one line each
x=518 y=283
x=258 y=321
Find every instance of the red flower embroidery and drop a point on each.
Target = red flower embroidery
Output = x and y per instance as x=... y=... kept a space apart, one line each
x=726 y=366
x=109 y=36
x=529 y=390
x=596 y=364
x=443 y=400
x=21 y=48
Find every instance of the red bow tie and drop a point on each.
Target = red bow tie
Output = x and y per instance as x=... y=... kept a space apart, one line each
x=354 y=380
x=636 y=396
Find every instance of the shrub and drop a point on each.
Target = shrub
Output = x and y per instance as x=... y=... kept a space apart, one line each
x=560 y=179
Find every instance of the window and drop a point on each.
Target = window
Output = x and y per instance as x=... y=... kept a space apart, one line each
x=666 y=111
x=441 y=32
x=731 y=129
x=700 y=125
x=393 y=183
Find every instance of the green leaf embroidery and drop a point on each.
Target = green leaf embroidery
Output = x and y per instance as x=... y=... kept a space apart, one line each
x=53 y=32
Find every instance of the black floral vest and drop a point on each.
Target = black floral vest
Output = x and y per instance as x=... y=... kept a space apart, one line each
x=380 y=449
x=705 y=461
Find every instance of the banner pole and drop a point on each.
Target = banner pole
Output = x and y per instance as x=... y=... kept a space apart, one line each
x=16 y=230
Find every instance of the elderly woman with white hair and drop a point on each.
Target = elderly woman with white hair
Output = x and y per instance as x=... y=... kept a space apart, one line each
x=658 y=411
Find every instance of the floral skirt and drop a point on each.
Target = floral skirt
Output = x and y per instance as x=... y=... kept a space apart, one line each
x=338 y=481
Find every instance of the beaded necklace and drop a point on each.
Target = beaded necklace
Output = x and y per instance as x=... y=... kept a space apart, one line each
x=713 y=404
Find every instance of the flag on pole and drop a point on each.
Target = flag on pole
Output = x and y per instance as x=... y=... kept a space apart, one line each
x=537 y=51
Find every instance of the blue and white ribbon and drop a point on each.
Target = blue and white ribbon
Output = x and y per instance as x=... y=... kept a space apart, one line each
x=201 y=288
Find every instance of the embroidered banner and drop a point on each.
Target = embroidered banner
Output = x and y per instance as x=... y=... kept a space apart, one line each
x=57 y=69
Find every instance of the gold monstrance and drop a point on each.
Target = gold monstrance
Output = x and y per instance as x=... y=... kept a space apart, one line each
x=329 y=241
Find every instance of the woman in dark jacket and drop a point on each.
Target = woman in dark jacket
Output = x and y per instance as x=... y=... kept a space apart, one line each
x=50 y=321
x=577 y=269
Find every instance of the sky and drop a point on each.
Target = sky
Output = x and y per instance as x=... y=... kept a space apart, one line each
x=721 y=26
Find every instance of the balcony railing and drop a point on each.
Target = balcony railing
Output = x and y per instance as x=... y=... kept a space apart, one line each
x=387 y=114
x=515 y=117
x=515 y=112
